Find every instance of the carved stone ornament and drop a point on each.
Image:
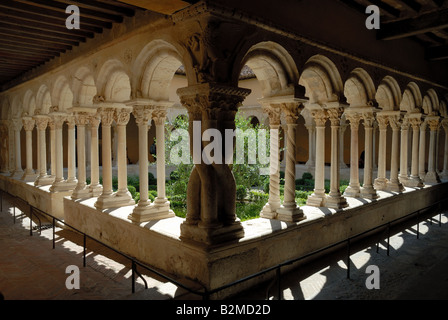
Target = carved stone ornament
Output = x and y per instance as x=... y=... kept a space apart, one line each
x=320 y=117
x=28 y=124
x=122 y=116
x=142 y=114
x=107 y=116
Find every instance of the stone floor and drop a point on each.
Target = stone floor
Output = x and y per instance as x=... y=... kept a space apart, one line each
x=31 y=270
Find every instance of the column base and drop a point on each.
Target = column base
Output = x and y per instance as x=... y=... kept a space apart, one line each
x=369 y=193
x=63 y=186
x=96 y=190
x=414 y=182
x=44 y=181
x=269 y=211
x=395 y=186
x=29 y=176
x=16 y=174
x=81 y=193
x=211 y=236
x=444 y=176
x=315 y=200
x=113 y=201
x=353 y=192
x=431 y=178
x=380 y=184
x=150 y=211
x=294 y=214
x=403 y=179
x=335 y=202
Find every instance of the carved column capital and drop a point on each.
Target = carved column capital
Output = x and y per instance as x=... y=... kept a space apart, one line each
x=320 y=117
x=58 y=119
x=395 y=122
x=405 y=124
x=382 y=120
x=41 y=122
x=354 y=118
x=291 y=111
x=433 y=123
x=95 y=120
x=159 y=116
x=70 y=119
x=122 y=116
x=334 y=114
x=142 y=114
x=107 y=116
x=28 y=123
x=82 y=118
x=369 y=119
x=17 y=124
x=415 y=123
x=273 y=113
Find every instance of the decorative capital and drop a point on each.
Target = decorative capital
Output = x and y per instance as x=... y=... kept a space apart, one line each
x=95 y=120
x=334 y=114
x=58 y=119
x=17 y=124
x=320 y=117
x=273 y=114
x=70 y=119
x=107 y=116
x=122 y=116
x=369 y=119
x=41 y=123
x=415 y=123
x=395 y=122
x=142 y=114
x=291 y=111
x=382 y=120
x=433 y=124
x=82 y=118
x=159 y=116
x=405 y=123
x=28 y=123
x=354 y=118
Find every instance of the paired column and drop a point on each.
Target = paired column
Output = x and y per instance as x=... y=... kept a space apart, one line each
x=28 y=125
x=59 y=184
x=95 y=187
x=334 y=199
x=354 y=188
x=404 y=174
x=269 y=211
x=289 y=211
x=381 y=180
x=71 y=154
x=342 y=129
x=414 y=179
x=432 y=176
x=17 y=127
x=367 y=190
x=422 y=151
x=41 y=123
x=81 y=191
x=394 y=184
x=317 y=198
x=444 y=174
x=311 y=145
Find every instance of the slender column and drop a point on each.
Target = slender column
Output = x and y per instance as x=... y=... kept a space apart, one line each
x=432 y=176
x=318 y=196
x=269 y=211
x=59 y=182
x=374 y=162
x=122 y=115
x=11 y=145
x=105 y=199
x=43 y=179
x=381 y=180
x=71 y=154
x=88 y=145
x=81 y=191
x=334 y=199
x=444 y=174
x=404 y=173
x=159 y=117
x=95 y=187
x=414 y=180
x=52 y=127
x=17 y=125
x=367 y=190
x=354 y=188
x=394 y=184
x=422 y=151
x=289 y=211
x=311 y=144
x=342 y=163
x=28 y=125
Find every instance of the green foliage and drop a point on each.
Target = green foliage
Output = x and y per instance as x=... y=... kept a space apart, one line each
x=307 y=175
x=132 y=191
x=135 y=182
x=241 y=192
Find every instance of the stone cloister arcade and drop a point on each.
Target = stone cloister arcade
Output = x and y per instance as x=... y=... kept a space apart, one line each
x=56 y=129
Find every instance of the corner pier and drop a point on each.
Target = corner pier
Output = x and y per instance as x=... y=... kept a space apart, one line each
x=266 y=243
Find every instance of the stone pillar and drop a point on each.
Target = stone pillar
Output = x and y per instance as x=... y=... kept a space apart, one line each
x=317 y=198
x=123 y=196
x=374 y=162
x=105 y=200
x=114 y=137
x=404 y=172
x=17 y=126
x=43 y=179
x=81 y=191
x=211 y=193
x=414 y=179
x=432 y=176
x=342 y=163
x=444 y=174
x=381 y=180
x=71 y=181
x=354 y=188
x=367 y=190
x=334 y=199
x=289 y=211
x=52 y=127
x=28 y=125
x=95 y=187
x=269 y=211
x=11 y=145
x=311 y=145
x=394 y=184
x=59 y=183
x=422 y=151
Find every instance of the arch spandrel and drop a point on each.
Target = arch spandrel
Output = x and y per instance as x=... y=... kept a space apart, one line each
x=84 y=87
x=388 y=94
x=359 y=89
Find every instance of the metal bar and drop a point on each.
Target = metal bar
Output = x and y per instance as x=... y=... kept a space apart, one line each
x=133 y=276
x=348 y=258
x=388 y=238
x=31 y=222
x=279 y=284
x=84 y=253
x=53 y=233
x=14 y=212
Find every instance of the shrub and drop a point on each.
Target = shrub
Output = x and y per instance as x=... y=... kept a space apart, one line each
x=241 y=192
x=266 y=186
x=151 y=179
x=152 y=187
x=307 y=175
x=255 y=195
x=153 y=193
x=132 y=191
x=174 y=176
x=134 y=181
x=151 y=196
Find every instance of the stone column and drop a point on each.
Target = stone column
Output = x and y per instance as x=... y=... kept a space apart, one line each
x=59 y=183
x=444 y=174
x=381 y=180
x=11 y=145
x=71 y=181
x=414 y=179
x=334 y=199
x=123 y=196
x=354 y=188
x=342 y=163
x=17 y=126
x=394 y=184
x=432 y=176
x=28 y=125
x=43 y=179
x=81 y=191
x=422 y=151
x=317 y=198
x=367 y=190
x=311 y=145
x=269 y=211
x=211 y=193
x=52 y=127
x=95 y=187
x=289 y=211
x=404 y=172
x=374 y=162
x=105 y=200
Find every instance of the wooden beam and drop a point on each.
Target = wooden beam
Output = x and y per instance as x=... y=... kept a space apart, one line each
x=28 y=50
x=24 y=35
x=413 y=26
x=8 y=37
x=96 y=5
x=50 y=34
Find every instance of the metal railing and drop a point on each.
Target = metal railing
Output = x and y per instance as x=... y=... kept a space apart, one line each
x=206 y=294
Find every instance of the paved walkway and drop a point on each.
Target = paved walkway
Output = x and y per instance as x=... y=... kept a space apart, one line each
x=31 y=270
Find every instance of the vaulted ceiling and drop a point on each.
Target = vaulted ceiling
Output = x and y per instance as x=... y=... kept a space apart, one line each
x=425 y=21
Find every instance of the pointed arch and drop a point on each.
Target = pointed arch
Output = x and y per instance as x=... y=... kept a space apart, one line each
x=84 y=88
x=359 y=88
x=388 y=94
x=113 y=82
x=412 y=98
